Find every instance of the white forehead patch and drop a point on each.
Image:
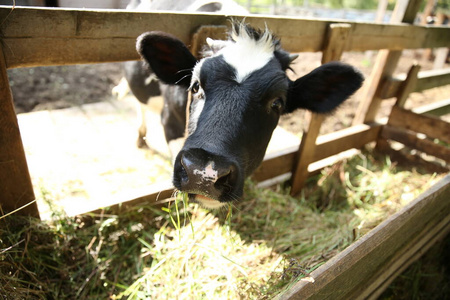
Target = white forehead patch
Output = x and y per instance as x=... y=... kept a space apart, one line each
x=243 y=52
x=247 y=55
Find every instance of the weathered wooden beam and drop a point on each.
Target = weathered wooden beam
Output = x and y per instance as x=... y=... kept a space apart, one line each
x=431 y=79
x=411 y=140
x=364 y=267
x=39 y=37
x=401 y=121
x=276 y=164
x=442 y=52
x=16 y=189
x=431 y=126
x=417 y=247
x=336 y=39
x=327 y=145
x=413 y=158
x=305 y=154
x=425 y=80
x=204 y=32
x=336 y=42
x=156 y=194
x=353 y=137
x=439 y=108
x=385 y=64
x=407 y=86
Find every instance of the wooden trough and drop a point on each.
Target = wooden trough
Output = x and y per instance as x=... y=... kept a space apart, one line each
x=42 y=37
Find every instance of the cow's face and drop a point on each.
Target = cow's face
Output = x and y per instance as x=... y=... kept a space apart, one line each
x=238 y=95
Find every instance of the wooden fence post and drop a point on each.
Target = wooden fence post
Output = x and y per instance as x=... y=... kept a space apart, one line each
x=442 y=52
x=16 y=189
x=385 y=64
x=403 y=125
x=405 y=89
x=407 y=86
x=334 y=47
x=218 y=32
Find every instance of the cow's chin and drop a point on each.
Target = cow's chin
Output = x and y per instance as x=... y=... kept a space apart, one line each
x=208 y=202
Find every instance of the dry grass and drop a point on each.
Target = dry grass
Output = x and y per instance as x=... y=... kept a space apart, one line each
x=252 y=251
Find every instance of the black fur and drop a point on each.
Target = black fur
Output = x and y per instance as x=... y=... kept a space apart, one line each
x=168 y=55
x=324 y=89
x=238 y=118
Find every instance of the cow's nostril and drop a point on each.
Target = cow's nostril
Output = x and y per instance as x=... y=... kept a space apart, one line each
x=225 y=181
x=183 y=170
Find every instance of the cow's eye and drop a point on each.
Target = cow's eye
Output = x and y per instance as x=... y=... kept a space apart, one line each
x=277 y=105
x=195 y=87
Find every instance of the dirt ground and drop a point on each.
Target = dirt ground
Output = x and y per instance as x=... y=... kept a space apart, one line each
x=56 y=87
x=44 y=88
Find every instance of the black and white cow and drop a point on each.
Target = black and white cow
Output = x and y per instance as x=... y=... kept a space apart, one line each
x=239 y=91
x=144 y=84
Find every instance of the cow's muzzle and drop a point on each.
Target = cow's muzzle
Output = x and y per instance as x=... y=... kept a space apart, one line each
x=208 y=178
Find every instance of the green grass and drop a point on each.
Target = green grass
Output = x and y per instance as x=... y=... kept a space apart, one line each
x=251 y=250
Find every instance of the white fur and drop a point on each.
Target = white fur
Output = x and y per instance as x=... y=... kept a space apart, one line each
x=247 y=55
x=198 y=100
x=197 y=108
x=208 y=202
x=243 y=53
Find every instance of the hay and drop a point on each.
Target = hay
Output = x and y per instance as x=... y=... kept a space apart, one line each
x=265 y=244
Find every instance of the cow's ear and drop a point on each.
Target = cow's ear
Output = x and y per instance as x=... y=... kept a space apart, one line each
x=324 y=88
x=167 y=56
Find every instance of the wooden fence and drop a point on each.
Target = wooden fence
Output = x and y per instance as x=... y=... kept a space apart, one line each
x=42 y=37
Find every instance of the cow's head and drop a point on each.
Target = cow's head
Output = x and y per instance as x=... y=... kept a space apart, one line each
x=239 y=91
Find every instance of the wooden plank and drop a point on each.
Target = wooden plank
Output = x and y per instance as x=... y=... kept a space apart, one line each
x=157 y=194
x=305 y=154
x=337 y=38
x=381 y=10
x=432 y=78
x=407 y=86
x=425 y=80
x=385 y=64
x=36 y=36
x=431 y=126
x=403 y=259
x=411 y=140
x=353 y=137
x=336 y=42
x=204 y=32
x=412 y=159
x=427 y=11
x=276 y=164
x=436 y=109
x=281 y=162
x=315 y=167
x=441 y=53
x=390 y=86
x=16 y=189
x=353 y=271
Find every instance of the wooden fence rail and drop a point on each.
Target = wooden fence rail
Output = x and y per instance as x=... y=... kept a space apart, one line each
x=425 y=80
x=365 y=269
x=41 y=37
